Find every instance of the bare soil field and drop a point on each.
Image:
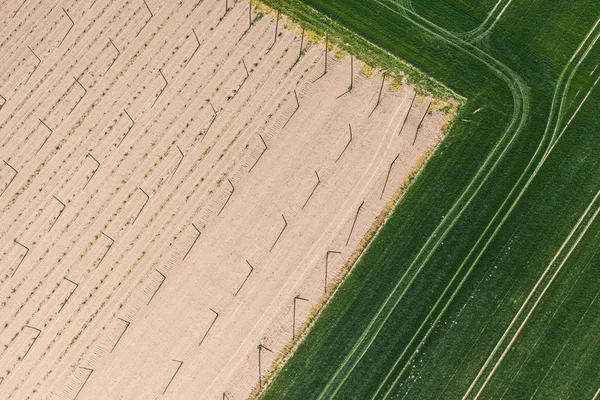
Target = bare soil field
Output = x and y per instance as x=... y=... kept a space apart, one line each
x=171 y=182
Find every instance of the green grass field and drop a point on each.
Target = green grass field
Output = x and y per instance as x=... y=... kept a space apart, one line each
x=485 y=281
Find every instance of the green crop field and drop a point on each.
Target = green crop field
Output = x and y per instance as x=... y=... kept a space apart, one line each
x=484 y=282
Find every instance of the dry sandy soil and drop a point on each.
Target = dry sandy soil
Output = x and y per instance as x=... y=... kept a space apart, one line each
x=148 y=257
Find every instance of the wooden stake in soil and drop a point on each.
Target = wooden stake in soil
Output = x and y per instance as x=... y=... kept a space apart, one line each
x=148 y=20
x=60 y=212
x=94 y=172
x=176 y=371
x=354 y=223
x=294 y=321
x=25 y=255
x=313 y=191
x=211 y=122
x=327 y=265
x=407 y=113
x=11 y=179
x=39 y=332
x=70 y=294
x=244 y=81
x=146 y=202
x=261 y=154
x=84 y=93
x=326 y=56
x=161 y=90
x=84 y=382
x=71 y=27
x=276 y=31
x=127 y=323
x=179 y=163
x=128 y=129
x=388 y=176
x=194 y=242
x=159 y=285
x=260 y=348
x=114 y=59
x=296 y=110
x=228 y=197
x=379 y=97
x=276 y=27
x=351 y=77
x=36 y=65
x=112 y=241
x=18 y=9
x=280 y=233
x=347 y=144
x=211 y=325
x=197 y=47
x=47 y=137
x=247 y=276
x=421 y=123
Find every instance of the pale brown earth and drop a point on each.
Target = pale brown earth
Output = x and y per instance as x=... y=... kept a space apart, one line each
x=108 y=341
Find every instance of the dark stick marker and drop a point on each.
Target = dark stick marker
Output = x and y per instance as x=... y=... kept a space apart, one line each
x=84 y=93
x=60 y=212
x=114 y=59
x=388 y=176
x=280 y=233
x=148 y=20
x=379 y=97
x=407 y=113
x=94 y=172
x=354 y=223
x=313 y=191
x=261 y=154
x=47 y=137
x=84 y=382
x=128 y=129
x=127 y=323
x=260 y=348
x=71 y=27
x=228 y=198
x=70 y=294
x=173 y=377
x=197 y=47
x=36 y=65
x=421 y=123
x=247 y=276
x=18 y=9
x=210 y=327
x=347 y=144
x=107 y=250
x=161 y=90
x=39 y=332
x=294 y=112
x=11 y=179
x=23 y=258
x=145 y=203
x=195 y=240
x=159 y=285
